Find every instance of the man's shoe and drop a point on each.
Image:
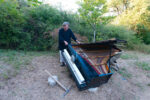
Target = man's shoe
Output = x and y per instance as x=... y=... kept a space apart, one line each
x=63 y=64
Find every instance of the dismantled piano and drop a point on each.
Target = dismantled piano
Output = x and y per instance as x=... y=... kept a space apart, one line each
x=91 y=63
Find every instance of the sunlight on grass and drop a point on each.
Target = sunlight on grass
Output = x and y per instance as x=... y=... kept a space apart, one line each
x=143 y=65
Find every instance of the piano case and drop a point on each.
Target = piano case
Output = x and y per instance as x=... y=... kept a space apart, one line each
x=92 y=61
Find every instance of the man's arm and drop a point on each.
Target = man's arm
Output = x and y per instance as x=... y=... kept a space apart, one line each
x=74 y=38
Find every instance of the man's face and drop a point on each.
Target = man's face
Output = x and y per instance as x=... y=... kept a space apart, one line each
x=65 y=27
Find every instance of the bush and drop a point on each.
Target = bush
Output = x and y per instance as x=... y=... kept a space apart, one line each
x=11 y=23
x=119 y=32
x=83 y=29
x=24 y=27
x=41 y=21
x=142 y=47
x=29 y=27
x=144 y=33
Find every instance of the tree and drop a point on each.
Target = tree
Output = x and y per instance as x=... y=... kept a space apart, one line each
x=115 y=5
x=137 y=18
x=118 y=6
x=138 y=13
x=92 y=11
x=126 y=3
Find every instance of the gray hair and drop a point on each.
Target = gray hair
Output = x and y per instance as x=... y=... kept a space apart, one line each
x=65 y=23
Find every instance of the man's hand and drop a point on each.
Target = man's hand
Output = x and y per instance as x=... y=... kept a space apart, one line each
x=66 y=43
x=78 y=42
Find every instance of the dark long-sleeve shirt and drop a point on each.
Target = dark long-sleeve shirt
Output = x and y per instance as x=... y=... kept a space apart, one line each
x=65 y=36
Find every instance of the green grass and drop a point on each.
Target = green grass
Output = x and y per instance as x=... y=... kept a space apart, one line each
x=125 y=56
x=142 y=48
x=143 y=65
x=129 y=56
x=19 y=59
x=16 y=59
x=125 y=73
x=5 y=75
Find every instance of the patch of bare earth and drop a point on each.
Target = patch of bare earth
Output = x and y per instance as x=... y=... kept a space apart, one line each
x=31 y=83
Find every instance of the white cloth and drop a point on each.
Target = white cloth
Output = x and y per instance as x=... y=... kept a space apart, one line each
x=61 y=57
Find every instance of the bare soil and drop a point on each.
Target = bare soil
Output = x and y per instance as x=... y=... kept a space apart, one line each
x=31 y=82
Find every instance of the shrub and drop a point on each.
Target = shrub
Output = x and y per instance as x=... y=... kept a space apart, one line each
x=142 y=47
x=119 y=32
x=29 y=27
x=40 y=21
x=11 y=23
x=144 y=33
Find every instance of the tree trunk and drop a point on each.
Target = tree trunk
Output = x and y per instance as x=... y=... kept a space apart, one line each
x=94 y=36
x=118 y=10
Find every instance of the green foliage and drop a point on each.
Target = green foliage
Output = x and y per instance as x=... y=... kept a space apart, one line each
x=40 y=21
x=128 y=56
x=107 y=19
x=144 y=33
x=119 y=32
x=28 y=3
x=77 y=24
x=11 y=23
x=91 y=11
x=142 y=47
x=136 y=17
x=118 y=6
x=81 y=27
x=27 y=27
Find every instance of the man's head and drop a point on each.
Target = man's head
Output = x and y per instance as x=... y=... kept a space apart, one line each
x=65 y=25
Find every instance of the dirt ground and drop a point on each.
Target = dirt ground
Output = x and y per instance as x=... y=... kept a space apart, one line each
x=131 y=83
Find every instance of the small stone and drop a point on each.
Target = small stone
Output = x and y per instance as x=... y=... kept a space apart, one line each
x=51 y=81
x=93 y=90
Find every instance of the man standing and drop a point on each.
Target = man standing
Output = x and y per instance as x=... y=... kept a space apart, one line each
x=65 y=35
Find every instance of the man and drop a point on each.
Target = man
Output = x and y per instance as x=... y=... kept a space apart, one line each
x=65 y=35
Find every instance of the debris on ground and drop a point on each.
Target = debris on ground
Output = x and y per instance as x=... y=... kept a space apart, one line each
x=51 y=81
x=94 y=90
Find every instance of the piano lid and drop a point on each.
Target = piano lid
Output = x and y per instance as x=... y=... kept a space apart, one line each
x=104 y=42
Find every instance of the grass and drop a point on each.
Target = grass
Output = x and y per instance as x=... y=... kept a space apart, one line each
x=5 y=75
x=143 y=65
x=18 y=59
x=125 y=73
x=129 y=56
x=142 y=48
